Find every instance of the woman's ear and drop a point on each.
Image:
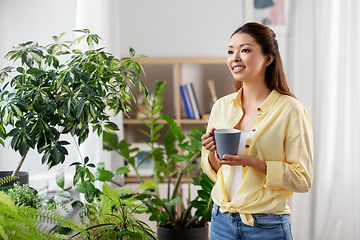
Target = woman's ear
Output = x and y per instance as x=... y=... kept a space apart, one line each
x=269 y=59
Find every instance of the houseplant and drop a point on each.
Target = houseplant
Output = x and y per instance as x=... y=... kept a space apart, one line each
x=110 y=218
x=44 y=97
x=20 y=219
x=165 y=156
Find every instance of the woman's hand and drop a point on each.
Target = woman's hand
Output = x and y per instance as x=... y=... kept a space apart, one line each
x=242 y=159
x=232 y=160
x=208 y=140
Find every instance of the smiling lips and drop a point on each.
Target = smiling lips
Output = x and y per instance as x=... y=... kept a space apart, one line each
x=238 y=68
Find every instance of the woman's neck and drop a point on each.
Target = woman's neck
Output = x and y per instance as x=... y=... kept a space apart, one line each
x=255 y=93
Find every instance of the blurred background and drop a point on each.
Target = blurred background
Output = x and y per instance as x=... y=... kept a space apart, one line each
x=319 y=44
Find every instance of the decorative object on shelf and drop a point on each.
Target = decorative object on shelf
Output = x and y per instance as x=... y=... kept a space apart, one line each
x=142 y=163
x=166 y=156
x=47 y=98
x=212 y=89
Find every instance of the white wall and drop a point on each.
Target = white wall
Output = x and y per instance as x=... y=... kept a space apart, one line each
x=187 y=28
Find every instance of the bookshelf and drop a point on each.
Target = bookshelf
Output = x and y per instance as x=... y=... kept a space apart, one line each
x=177 y=72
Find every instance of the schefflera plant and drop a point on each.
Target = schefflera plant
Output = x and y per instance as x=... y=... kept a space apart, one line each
x=42 y=98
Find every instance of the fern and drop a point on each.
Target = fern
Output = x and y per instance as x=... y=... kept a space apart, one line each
x=22 y=222
x=7 y=179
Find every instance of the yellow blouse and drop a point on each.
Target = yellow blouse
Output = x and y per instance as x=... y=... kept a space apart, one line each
x=282 y=137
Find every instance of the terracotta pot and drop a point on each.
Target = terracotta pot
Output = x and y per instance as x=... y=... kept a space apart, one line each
x=23 y=178
x=181 y=234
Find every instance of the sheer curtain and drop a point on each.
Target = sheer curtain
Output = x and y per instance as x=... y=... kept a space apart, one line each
x=325 y=74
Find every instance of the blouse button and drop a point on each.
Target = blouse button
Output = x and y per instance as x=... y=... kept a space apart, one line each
x=259 y=109
x=246 y=146
x=254 y=130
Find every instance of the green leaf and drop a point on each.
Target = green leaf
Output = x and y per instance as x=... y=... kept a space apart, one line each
x=60 y=178
x=173 y=202
x=122 y=170
x=199 y=204
x=205 y=185
x=203 y=194
x=103 y=175
x=157 y=202
x=79 y=187
x=110 y=192
x=147 y=185
x=141 y=56
x=17 y=110
x=76 y=51
x=111 y=127
x=80 y=106
x=28 y=59
x=63 y=197
x=132 y=52
x=20 y=69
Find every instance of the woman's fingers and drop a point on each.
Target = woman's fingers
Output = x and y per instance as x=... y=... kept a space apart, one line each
x=231 y=160
x=208 y=140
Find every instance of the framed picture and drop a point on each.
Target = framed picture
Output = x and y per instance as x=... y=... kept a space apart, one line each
x=145 y=167
x=273 y=13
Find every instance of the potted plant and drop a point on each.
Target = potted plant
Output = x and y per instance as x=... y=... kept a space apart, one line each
x=174 y=222
x=43 y=97
x=108 y=217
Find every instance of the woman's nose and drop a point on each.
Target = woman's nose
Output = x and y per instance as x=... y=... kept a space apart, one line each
x=236 y=57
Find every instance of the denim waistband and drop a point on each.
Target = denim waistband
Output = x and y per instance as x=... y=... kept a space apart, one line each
x=236 y=216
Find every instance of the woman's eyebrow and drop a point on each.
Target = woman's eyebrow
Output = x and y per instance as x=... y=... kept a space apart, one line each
x=241 y=45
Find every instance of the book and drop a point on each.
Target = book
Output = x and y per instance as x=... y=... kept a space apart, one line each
x=193 y=100
x=187 y=103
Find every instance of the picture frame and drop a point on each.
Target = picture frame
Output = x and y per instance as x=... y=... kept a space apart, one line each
x=146 y=169
x=272 y=13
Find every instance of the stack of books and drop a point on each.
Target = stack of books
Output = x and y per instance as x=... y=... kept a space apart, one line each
x=190 y=104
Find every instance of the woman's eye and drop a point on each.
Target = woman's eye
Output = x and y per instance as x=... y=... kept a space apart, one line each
x=245 y=50
x=230 y=52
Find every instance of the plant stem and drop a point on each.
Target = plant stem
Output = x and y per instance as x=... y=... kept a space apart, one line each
x=178 y=180
x=188 y=181
x=116 y=183
x=20 y=164
x=169 y=179
x=191 y=221
x=77 y=147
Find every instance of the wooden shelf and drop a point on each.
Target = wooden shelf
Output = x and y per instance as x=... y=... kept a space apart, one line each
x=179 y=121
x=135 y=179
x=195 y=60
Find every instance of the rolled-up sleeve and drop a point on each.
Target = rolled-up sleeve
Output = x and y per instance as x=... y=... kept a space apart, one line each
x=205 y=164
x=295 y=173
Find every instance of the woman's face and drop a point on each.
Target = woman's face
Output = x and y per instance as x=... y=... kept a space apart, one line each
x=245 y=58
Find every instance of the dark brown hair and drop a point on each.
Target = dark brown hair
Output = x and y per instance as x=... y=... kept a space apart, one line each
x=266 y=38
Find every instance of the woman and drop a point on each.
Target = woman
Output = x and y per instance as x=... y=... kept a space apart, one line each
x=276 y=146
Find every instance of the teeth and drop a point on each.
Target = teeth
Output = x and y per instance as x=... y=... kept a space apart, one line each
x=238 y=68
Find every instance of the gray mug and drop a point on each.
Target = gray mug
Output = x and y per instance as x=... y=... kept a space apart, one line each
x=227 y=141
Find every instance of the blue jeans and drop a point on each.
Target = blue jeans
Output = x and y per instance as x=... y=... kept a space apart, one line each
x=227 y=225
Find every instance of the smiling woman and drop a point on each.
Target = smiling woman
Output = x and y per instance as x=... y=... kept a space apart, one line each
x=276 y=143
